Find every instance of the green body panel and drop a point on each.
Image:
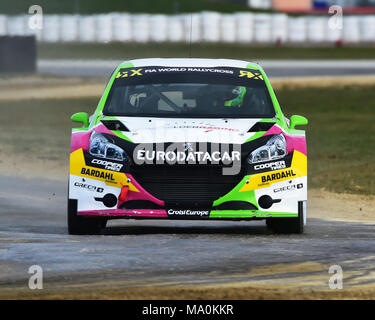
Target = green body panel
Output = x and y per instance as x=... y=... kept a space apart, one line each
x=249 y=214
x=99 y=110
x=81 y=117
x=236 y=195
x=279 y=114
x=256 y=136
x=116 y=132
x=260 y=133
x=279 y=117
x=297 y=121
x=108 y=118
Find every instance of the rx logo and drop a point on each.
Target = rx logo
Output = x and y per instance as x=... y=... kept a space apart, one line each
x=250 y=75
x=129 y=73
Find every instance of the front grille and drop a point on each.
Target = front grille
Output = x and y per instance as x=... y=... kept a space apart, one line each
x=185 y=185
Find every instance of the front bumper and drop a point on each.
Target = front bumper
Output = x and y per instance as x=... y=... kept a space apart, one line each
x=88 y=185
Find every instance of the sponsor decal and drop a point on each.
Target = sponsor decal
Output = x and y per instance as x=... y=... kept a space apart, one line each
x=108 y=165
x=278 y=176
x=208 y=128
x=190 y=153
x=97 y=174
x=289 y=188
x=182 y=157
x=78 y=167
x=271 y=165
x=191 y=213
x=298 y=168
x=129 y=73
x=190 y=69
x=88 y=187
x=250 y=75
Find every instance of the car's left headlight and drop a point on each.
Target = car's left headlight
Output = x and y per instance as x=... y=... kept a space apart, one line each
x=275 y=148
x=102 y=148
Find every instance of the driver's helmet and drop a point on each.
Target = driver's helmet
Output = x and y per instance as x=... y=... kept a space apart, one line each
x=235 y=97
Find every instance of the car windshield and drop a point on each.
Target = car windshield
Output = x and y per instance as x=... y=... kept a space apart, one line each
x=189 y=92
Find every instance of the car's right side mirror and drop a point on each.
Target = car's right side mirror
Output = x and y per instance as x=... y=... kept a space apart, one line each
x=81 y=117
x=297 y=121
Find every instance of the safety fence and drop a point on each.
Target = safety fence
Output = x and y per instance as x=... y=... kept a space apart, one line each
x=197 y=27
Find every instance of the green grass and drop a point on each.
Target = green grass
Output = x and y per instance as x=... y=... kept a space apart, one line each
x=100 y=6
x=340 y=133
x=41 y=128
x=123 y=51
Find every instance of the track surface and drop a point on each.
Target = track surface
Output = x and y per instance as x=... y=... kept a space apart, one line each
x=274 y=68
x=139 y=253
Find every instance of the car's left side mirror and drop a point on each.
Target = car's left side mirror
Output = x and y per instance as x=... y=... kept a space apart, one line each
x=81 y=117
x=297 y=121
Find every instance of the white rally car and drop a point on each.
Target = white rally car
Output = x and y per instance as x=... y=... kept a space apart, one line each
x=188 y=139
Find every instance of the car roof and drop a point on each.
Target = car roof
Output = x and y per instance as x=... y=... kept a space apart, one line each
x=190 y=62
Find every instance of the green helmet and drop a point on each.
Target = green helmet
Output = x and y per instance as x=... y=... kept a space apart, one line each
x=239 y=93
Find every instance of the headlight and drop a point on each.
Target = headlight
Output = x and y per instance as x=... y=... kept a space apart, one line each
x=275 y=148
x=102 y=148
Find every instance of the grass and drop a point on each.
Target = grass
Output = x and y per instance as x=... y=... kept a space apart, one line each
x=124 y=51
x=41 y=128
x=340 y=135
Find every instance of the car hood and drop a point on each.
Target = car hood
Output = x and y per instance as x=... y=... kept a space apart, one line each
x=157 y=130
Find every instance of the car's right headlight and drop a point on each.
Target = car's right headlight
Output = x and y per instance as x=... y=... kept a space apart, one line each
x=102 y=148
x=275 y=148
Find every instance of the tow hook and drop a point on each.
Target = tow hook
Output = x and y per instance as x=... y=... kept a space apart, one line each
x=123 y=193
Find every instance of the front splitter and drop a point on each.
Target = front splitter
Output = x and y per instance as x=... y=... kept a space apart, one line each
x=161 y=213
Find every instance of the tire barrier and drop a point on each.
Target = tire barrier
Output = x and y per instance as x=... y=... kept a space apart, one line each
x=207 y=26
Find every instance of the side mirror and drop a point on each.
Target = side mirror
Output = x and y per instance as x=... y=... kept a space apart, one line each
x=81 y=117
x=297 y=121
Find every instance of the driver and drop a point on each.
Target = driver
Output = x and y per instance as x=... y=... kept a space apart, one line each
x=210 y=97
x=234 y=97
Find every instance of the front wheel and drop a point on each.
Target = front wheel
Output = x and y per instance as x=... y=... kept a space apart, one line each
x=83 y=225
x=289 y=225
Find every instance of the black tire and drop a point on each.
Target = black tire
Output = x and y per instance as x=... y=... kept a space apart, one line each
x=83 y=225
x=288 y=225
x=103 y=223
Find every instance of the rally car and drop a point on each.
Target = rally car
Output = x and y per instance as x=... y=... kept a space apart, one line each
x=188 y=139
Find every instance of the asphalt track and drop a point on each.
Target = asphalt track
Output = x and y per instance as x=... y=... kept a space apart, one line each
x=273 y=68
x=146 y=253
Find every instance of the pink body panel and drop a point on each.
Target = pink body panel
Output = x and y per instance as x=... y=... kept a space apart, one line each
x=292 y=142
x=141 y=195
x=147 y=213
x=82 y=139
